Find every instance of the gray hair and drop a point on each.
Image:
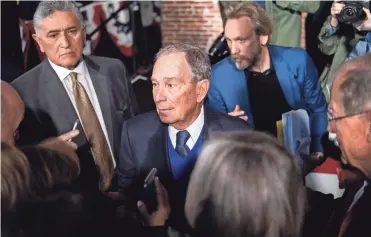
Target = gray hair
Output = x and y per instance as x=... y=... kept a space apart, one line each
x=197 y=59
x=260 y=19
x=46 y=8
x=245 y=184
x=355 y=89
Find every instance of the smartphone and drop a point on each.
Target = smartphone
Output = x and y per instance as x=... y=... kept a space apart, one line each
x=77 y=122
x=149 y=196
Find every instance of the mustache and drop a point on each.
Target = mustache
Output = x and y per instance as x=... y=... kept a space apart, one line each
x=239 y=57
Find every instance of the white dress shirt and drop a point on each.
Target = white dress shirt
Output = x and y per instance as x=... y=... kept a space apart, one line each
x=84 y=78
x=194 y=130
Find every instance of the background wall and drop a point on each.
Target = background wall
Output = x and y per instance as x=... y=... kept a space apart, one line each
x=194 y=22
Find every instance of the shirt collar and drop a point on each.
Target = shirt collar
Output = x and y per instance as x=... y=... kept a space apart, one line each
x=62 y=72
x=194 y=129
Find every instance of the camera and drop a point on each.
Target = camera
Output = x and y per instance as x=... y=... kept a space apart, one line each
x=353 y=11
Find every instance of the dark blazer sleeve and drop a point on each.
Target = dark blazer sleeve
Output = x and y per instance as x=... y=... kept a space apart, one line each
x=231 y=123
x=134 y=107
x=126 y=167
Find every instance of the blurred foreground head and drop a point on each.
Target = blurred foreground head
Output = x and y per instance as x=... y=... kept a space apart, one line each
x=245 y=184
x=35 y=171
x=12 y=112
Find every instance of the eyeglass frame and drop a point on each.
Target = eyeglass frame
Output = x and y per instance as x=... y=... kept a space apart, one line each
x=345 y=116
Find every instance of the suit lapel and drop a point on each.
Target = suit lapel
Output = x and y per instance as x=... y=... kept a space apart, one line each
x=158 y=153
x=165 y=148
x=101 y=88
x=284 y=75
x=58 y=98
x=211 y=123
x=355 y=220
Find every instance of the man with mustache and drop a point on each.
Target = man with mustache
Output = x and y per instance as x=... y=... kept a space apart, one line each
x=263 y=81
x=68 y=86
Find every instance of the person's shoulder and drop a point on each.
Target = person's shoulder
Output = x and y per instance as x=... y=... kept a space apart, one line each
x=28 y=77
x=142 y=127
x=221 y=70
x=228 y=122
x=106 y=65
x=289 y=52
x=104 y=61
x=296 y=58
x=222 y=65
x=143 y=121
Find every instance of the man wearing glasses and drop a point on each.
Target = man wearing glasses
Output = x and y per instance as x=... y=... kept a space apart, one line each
x=68 y=88
x=350 y=120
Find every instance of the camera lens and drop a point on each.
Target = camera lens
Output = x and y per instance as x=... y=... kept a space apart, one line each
x=352 y=12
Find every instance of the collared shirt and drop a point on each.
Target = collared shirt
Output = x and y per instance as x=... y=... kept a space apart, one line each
x=84 y=78
x=194 y=130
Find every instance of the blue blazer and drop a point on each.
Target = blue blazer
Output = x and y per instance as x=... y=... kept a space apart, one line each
x=297 y=76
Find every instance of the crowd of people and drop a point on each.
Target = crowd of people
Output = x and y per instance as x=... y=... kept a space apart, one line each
x=78 y=158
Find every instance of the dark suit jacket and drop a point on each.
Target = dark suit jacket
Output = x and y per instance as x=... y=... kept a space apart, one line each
x=326 y=214
x=50 y=112
x=144 y=146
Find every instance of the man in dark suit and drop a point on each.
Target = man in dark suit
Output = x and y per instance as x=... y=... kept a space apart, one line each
x=68 y=86
x=171 y=137
x=350 y=120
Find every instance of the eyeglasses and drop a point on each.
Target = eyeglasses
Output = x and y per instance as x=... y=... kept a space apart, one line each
x=330 y=118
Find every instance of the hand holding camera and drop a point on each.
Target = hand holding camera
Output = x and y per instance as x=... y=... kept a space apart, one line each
x=366 y=24
x=349 y=12
x=336 y=8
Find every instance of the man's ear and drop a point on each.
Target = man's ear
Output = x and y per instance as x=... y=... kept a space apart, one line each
x=263 y=39
x=202 y=89
x=38 y=40
x=369 y=126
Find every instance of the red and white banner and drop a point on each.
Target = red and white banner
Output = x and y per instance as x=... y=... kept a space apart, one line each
x=324 y=178
x=118 y=28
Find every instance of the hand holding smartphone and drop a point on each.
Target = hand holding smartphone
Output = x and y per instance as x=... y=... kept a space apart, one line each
x=149 y=195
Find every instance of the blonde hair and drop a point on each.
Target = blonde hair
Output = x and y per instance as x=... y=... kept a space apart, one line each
x=258 y=16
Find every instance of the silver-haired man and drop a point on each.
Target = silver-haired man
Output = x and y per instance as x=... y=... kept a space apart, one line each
x=68 y=88
x=170 y=138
